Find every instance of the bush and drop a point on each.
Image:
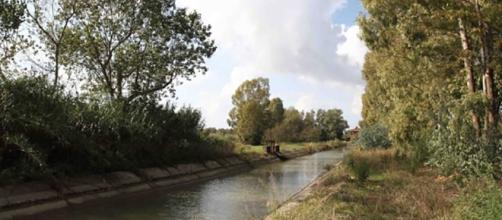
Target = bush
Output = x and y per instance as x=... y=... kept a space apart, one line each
x=482 y=203
x=374 y=136
x=362 y=162
x=44 y=133
x=361 y=169
x=455 y=148
x=358 y=165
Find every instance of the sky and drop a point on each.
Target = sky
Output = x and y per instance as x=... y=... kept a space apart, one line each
x=309 y=49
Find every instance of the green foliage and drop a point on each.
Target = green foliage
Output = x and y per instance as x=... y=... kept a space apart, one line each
x=251 y=124
x=374 y=136
x=126 y=56
x=290 y=129
x=454 y=148
x=135 y=49
x=310 y=126
x=250 y=115
x=276 y=112
x=331 y=123
x=256 y=118
x=482 y=203
x=360 y=167
x=431 y=79
x=43 y=132
x=11 y=15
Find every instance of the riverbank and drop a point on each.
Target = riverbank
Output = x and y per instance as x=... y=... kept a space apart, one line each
x=36 y=197
x=387 y=187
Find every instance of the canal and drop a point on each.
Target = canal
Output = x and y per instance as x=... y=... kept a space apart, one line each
x=249 y=195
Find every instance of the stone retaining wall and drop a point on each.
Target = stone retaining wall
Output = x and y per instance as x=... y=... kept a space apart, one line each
x=37 y=197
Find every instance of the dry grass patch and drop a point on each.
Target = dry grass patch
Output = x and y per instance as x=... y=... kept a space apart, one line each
x=391 y=191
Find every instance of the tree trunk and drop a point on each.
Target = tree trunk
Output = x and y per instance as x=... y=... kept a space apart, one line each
x=56 y=68
x=492 y=112
x=471 y=82
x=489 y=87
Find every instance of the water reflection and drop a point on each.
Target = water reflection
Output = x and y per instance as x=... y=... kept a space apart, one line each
x=245 y=196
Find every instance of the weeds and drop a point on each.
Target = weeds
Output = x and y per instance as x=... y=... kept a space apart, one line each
x=480 y=200
x=44 y=133
x=390 y=191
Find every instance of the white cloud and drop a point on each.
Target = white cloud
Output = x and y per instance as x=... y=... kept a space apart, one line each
x=285 y=36
x=237 y=77
x=305 y=103
x=295 y=39
x=357 y=103
x=353 y=48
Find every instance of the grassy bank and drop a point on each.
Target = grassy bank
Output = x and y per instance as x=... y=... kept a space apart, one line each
x=46 y=134
x=380 y=184
x=249 y=150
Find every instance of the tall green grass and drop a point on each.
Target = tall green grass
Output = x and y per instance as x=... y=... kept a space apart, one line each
x=47 y=133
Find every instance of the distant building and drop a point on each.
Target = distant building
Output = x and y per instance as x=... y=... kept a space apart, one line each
x=352 y=134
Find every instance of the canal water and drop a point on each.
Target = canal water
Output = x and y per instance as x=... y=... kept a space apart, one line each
x=249 y=195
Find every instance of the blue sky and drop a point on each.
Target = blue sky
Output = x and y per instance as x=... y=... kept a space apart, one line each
x=309 y=50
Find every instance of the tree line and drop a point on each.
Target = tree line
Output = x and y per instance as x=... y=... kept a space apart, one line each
x=84 y=84
x=433 y=80
x=256 y=118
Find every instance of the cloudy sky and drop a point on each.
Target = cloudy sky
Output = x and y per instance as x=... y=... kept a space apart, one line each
x=309 y=49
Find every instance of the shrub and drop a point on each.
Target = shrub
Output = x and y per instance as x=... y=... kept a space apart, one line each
x=374 y=136
x=482 y=203
x=47 y=132
x=359 y=166
x=362 y=170
x=362 y=162
x=455 y=148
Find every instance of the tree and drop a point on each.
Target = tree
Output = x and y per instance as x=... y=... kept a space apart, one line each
x=290 y=129
x=134 y=50
x=431 y=69
x=293 y=125
x=276 y=112
x=331 y=124
x=311 y=130
x=11 y=17
x=374 y=136
x=251 y=126
x=53 y=20
x=249 y=115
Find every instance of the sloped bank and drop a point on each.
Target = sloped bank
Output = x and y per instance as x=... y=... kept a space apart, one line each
x=37 y=197
x=299 y=197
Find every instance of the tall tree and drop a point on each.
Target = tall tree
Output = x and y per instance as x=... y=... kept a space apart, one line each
x=134 y=50
x=331 y=124
x=249 y=117
x=251 y=126
x=432 y=72
x=292 y=126
x=311 y=130
x=53 y=20
x=276 y=112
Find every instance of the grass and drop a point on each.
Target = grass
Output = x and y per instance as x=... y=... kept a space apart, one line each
x=392 y=190
x=479 y=200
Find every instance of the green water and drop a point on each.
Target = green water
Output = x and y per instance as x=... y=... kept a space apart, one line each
x=249 y=195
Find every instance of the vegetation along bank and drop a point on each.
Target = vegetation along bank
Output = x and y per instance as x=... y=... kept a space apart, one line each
x=98 y=95
x=429 y=146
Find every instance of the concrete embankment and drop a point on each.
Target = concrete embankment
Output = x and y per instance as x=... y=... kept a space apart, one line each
x=300 y=196
x=37 y=197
